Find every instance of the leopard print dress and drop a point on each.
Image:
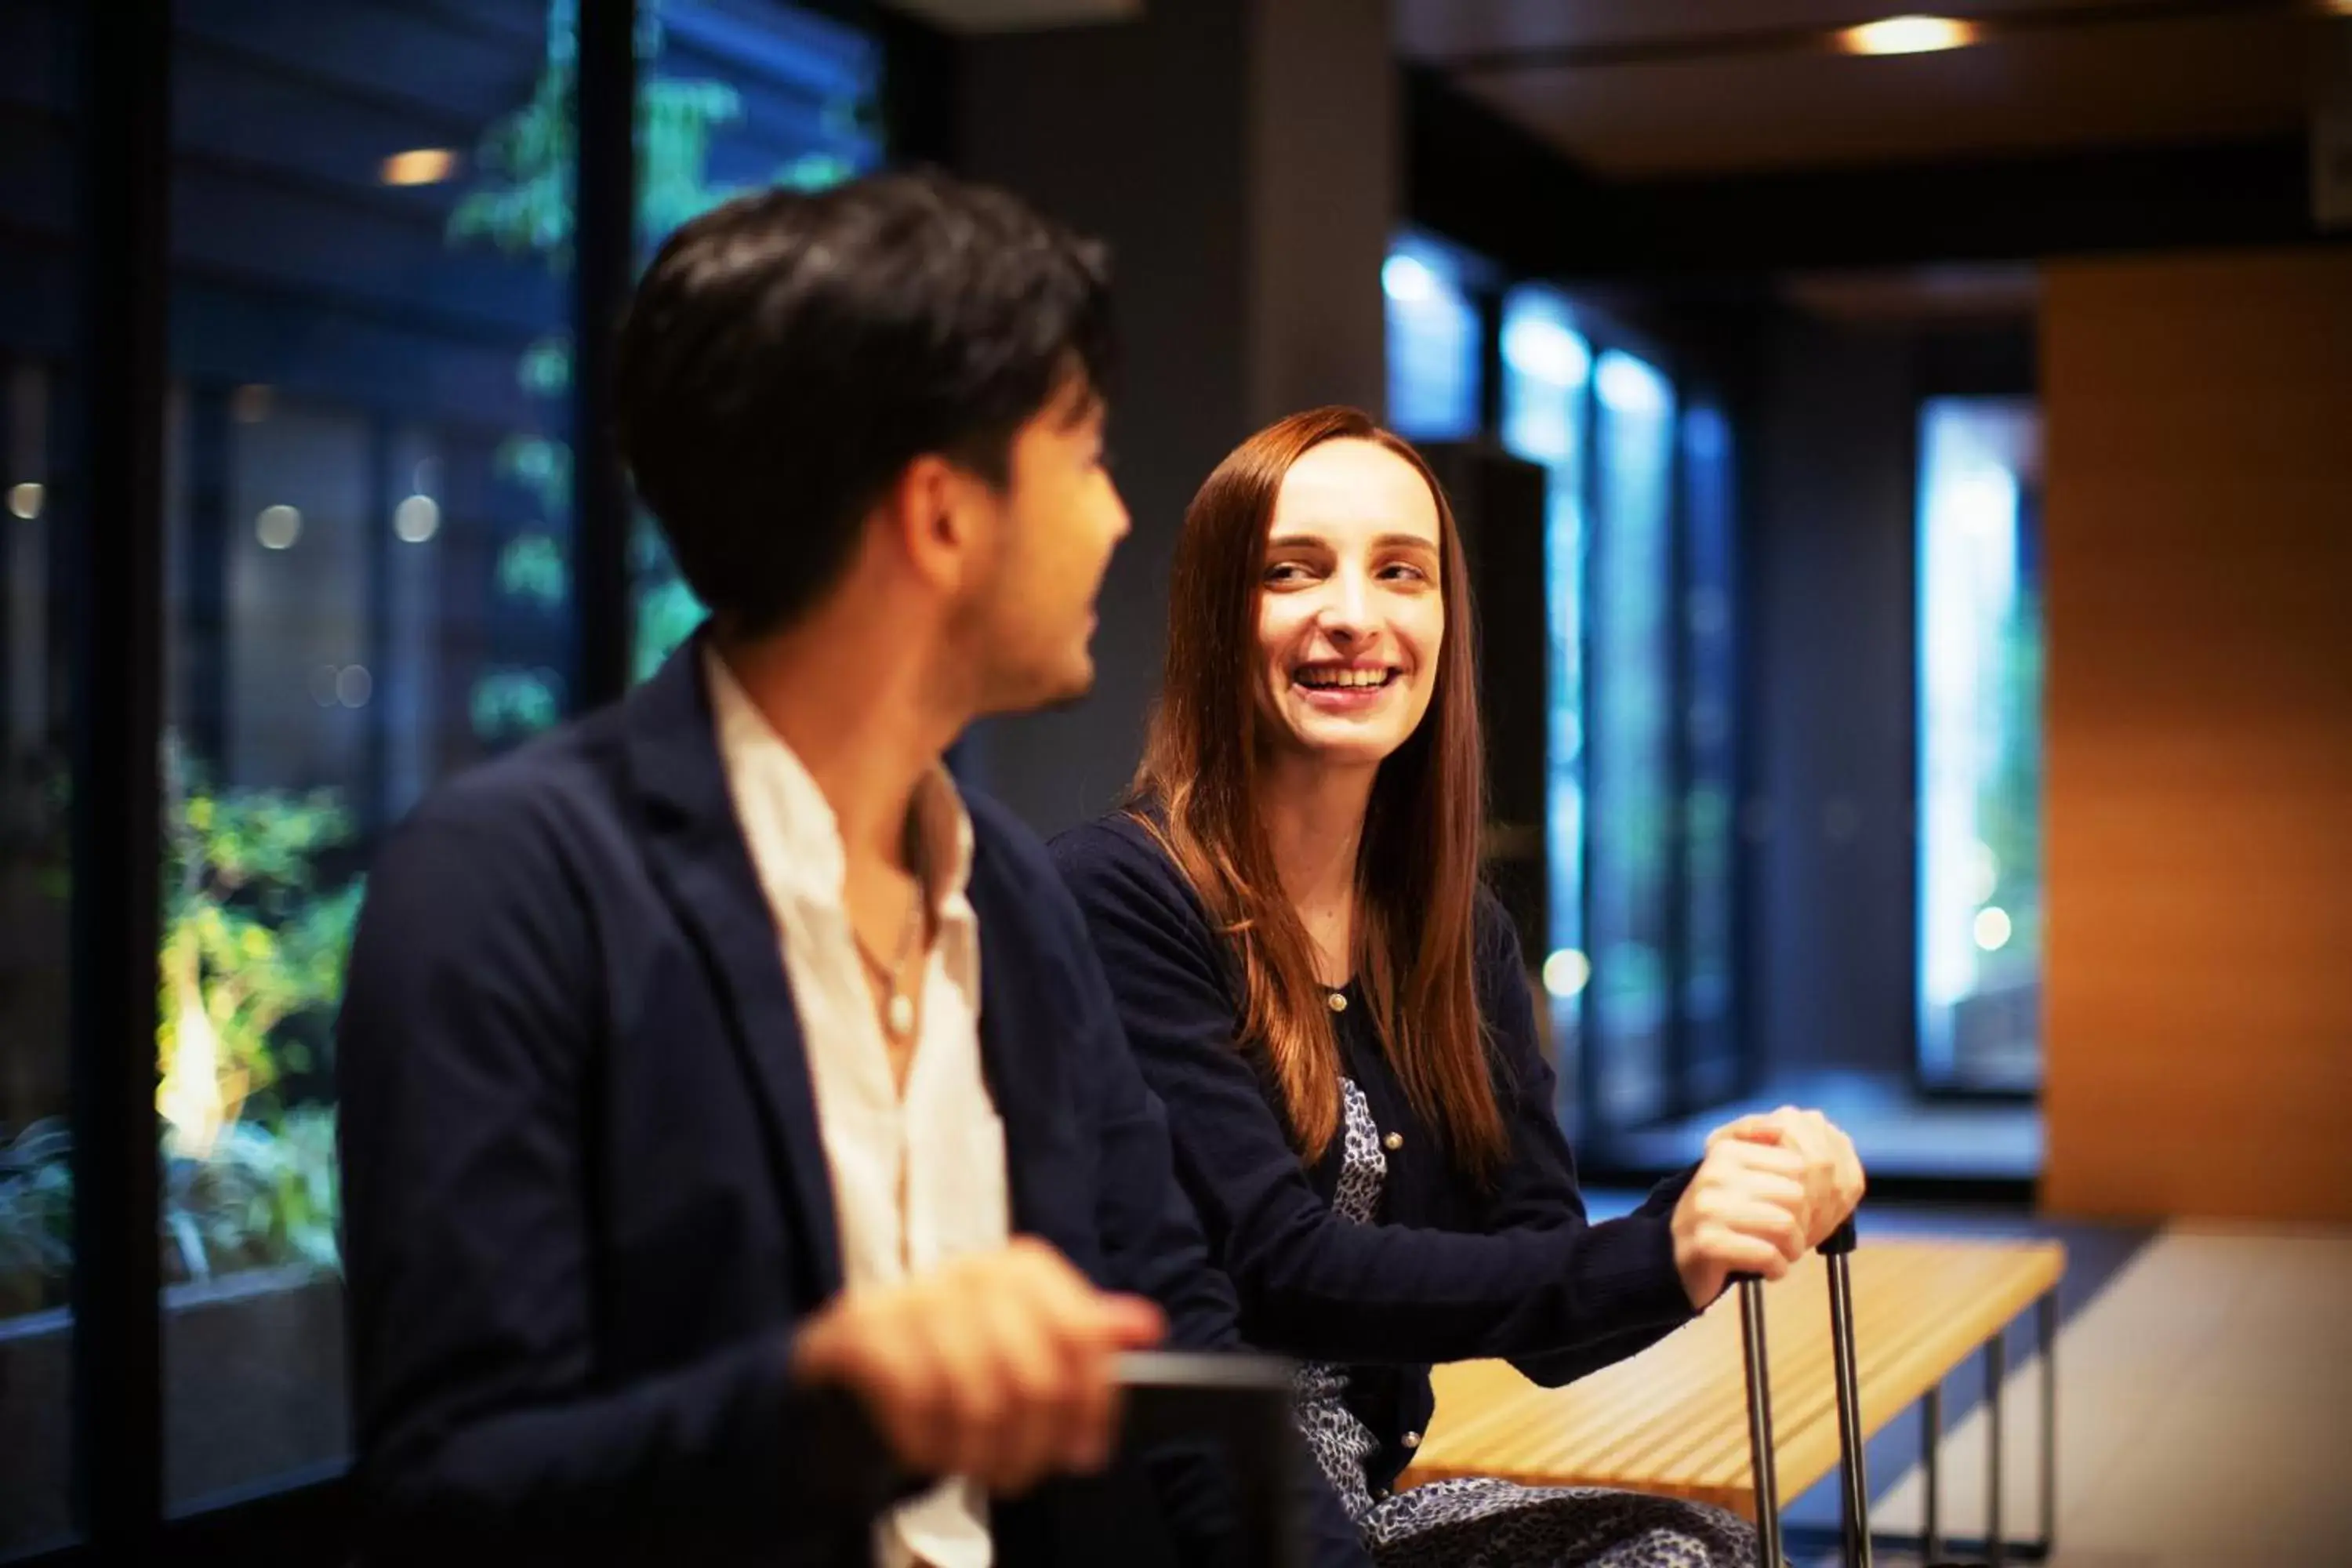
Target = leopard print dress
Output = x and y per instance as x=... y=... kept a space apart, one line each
x=1477 y=1522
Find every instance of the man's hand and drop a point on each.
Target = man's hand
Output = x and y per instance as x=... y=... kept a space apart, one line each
x=1745 y=1212
x=999 y=1366
x=1832 y=1174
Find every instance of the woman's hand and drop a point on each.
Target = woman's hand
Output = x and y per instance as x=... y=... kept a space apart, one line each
x=1745 y=1212
x=1832 y=1174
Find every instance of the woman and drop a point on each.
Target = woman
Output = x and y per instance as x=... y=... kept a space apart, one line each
x=1338 y=1018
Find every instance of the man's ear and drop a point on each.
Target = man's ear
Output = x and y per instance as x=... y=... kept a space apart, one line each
x=934 y=511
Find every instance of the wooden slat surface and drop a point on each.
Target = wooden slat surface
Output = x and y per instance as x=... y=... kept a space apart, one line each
x=1673 y=1420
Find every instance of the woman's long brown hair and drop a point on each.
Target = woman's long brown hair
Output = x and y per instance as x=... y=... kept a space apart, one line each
x=1417 y=862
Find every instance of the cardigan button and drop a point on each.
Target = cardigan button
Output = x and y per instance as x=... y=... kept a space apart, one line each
x=1338 y=1000
x=1410 y=1439
x=1392 y=1142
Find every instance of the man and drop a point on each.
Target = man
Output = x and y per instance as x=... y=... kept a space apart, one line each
x=742 y=1159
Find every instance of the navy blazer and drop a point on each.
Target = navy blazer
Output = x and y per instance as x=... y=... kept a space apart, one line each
x=586 y=1201
x=1452 y=1271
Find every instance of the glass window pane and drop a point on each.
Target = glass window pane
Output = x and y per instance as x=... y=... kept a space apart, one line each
x=368 y=516
x=731 y=99
x=1711 y=701
x=1980 y=908
x=1433 y=349
x=1546 y=375
x=36 y=508
x=1631 y=770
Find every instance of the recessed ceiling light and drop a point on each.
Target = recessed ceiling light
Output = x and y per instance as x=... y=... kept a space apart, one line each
x=420 y=166
x=1908 y=36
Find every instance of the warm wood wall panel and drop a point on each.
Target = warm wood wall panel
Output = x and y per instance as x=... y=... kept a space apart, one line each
x=2198 y=529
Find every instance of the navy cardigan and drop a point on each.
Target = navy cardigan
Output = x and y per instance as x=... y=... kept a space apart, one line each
x=1453 y=1270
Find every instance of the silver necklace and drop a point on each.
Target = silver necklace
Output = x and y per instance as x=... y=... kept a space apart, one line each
x=898 y=1009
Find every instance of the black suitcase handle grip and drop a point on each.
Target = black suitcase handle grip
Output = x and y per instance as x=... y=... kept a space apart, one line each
x=1839 y=1243
x=1241 y=1404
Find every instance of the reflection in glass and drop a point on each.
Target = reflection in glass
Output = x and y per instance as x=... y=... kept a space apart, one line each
x=1545 y=377
x=367 y=517
x=39 y=507
x=368 y=526
x=369 y=521
x=722 y=108
x=1981 y=906
x=36 y=1140
x=1630 y=771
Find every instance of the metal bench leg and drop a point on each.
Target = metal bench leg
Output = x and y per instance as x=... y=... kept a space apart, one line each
x=1931 y=1443
x=1759 y=1423
x=2046 y=1319
x=1996 y=1373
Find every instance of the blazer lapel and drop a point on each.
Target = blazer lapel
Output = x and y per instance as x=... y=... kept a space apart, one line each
x=696 y=850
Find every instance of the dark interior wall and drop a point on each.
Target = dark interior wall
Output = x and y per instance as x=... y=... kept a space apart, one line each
x=1323 y=153
x=1238 y=156
x=1828 y=826
x=1136 y=133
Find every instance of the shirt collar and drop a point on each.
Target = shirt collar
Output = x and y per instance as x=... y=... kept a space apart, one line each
x=768 y=779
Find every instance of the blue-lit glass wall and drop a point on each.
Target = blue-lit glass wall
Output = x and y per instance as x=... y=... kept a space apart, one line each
x=1632 y=766
x=1981 y=881
x=1547 y=374
x=1433 y=344
x=1640 y=966
x=1711 y=707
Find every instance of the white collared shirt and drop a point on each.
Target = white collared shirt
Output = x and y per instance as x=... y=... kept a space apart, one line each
x=918 y=1180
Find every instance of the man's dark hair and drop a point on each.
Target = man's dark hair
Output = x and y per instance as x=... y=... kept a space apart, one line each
x=788 y=354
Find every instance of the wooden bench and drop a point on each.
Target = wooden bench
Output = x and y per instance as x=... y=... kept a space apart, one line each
x=1673 y=1420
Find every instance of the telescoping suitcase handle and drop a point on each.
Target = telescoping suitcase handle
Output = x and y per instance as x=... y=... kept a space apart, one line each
x=1853 y=1510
